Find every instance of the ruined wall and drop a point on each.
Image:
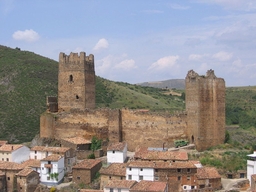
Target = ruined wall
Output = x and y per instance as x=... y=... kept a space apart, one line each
x=76 y=81
x=47 y=122
x=151 y=129
x=205 y=106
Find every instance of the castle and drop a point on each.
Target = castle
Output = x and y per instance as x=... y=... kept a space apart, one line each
x=74 y=114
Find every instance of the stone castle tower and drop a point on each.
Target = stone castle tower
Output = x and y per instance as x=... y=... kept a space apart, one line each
x=76 y=82
x=205 y=106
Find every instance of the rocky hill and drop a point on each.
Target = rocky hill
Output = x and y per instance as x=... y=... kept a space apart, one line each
x=171 y=84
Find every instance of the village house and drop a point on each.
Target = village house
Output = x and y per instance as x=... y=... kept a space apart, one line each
x=253 y=182
x=34 y=164
x=144 y=154
x=150 y=186
x=85 y=171
x=208 y=178
x=76 y=143
x=52 y=170
x=2 y=181
x=90 y=190
x=251 y=165
x=14 y=153
x=119 y=186
x=40 y=152
x=3 y=142
x=115 y=171
x=117 y=152
x=27 y=180
x=10 y=169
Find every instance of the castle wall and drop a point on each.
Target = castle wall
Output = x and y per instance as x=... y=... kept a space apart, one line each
x=47 y=121
x=151 y=129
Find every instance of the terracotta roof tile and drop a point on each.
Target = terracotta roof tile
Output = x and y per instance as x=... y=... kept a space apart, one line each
x=151 y=186
x=53 y=157
x=207 y=173
x=10 y=147
x=87 y=164
x=2 y=142
x=25 y=172
x=2 y=173
x=145 y=154
x=115 y=169
x=31 y=163
x=253 y=177
x=6 y=165
x=50 y=149
x=161 y=164
x=124 y=184
x=77 y=140
x=118 y=146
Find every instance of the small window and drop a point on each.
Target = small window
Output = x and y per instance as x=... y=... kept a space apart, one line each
x=35 y=157
x=141 y=169
x=35 y=152
x=121 y=178
x=48 y=178
x=156 y=170
x=184 y=187
x=188 y=177
x=20 y=187
x=179 y=178
x=69 y=161
x=188 y=170
x=70 y=78
x=2 y=159
x=140 y=177
x=129 y=177
x=178 y=170
x=77 y=97
x=109 y=177
x=7 y=159
x=20 y=177
x=118 y=190
x=78 y=178
x=111 y=190
x=113 y=151
x=192 y=187
x=156 y=178
x=8 y=178
x=130 y=168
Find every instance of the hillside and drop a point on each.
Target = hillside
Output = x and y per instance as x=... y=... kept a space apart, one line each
x=171 y=84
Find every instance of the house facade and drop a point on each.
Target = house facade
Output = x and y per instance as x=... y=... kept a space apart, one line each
x=27 y=180
x=117 y=152
x=14 y=153
x=52 y=170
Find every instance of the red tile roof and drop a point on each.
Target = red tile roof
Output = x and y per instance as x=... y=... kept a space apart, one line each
x=25 y=172
x=50 y=149
x=151 y=186
x=2 y=142
x=77 y=140
x=145 y=154
x=87 y=164
x=207 y=173
x=114 y=169
x=53 y=157
x=123 y=184
x=10 y=147
x=161 y=164
x=118 y=146
x=31 y=163
x=6 y=165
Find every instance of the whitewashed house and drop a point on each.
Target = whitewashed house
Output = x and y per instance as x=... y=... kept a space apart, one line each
x=52 y=170
x=140 y=170
x=117 y=152
x=14 y=153
x=251 y=165
x=119 y=186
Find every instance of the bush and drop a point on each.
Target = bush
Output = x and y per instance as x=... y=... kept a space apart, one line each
x=91 y=156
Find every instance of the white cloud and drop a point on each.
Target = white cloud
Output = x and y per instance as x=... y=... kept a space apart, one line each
x=223 y=56
x=27 y=35
x=164 y=63
x=103 y=65
x=179 y=7
x=101 y=44
x=194 y=57
x=126 y=65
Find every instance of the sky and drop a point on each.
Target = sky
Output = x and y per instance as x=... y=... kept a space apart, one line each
x=140 y=40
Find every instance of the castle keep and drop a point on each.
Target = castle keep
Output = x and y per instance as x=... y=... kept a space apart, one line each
x=203 y=122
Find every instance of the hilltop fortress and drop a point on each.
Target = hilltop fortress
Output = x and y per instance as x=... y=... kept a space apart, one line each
x=74 y=114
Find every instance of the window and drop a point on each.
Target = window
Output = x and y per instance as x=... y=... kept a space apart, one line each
x=121 y=178
x=140 y=177
x=69 y=161
x=156 y=178
x=35 y=157
x=184 y=187
x=42 y=168
x=179 y=178
x=156 y=170
x=48 y=178
x=77 y=97
x=70 y=78
x=113 y=151
x=78 y=178
x=2 y=159
x=188 y=170
x=188 y=177
x=20 y=177
x=109 y=177
x=7 y=159
x=129 y=177
x=119 y=190
x=111 y=190
x=130 y=168
x=178 y=170
x=192 y=187
x=8 y=178
x=35 y=152
x=141 y=169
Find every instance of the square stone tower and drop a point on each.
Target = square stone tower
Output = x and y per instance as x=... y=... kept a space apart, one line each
x=76 y=82
x=205 y=106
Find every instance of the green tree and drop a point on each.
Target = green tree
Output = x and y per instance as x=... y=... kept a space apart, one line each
x=96 y=143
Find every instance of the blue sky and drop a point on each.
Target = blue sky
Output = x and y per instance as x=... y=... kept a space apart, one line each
x=140 y=40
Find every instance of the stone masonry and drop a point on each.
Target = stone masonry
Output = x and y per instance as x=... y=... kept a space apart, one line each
x=203 y=123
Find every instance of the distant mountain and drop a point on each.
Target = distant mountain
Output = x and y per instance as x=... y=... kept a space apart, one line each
x=171 y=83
